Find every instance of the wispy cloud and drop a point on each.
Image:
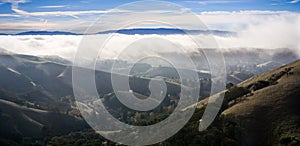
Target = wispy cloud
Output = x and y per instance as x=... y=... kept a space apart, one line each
x=224 y=20
x=61 y=13
x=18 y=12
x=282 y=32
x=206 y=2
x=14 y=5
x=248 y=12
x=9 y=15
x=53 y=7
x=27 y=24
x=84 y=1
x=15 y=2
x=294 y=1
x=74 y=14
x=239 y=20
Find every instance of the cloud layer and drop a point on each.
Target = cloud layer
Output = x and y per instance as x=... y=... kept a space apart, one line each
x=255 y=29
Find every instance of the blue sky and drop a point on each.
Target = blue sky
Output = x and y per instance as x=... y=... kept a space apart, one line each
x=24 y=15
x=195 y=5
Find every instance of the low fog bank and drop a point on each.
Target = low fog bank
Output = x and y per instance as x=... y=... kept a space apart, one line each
x=66 y=46
x=274 y=32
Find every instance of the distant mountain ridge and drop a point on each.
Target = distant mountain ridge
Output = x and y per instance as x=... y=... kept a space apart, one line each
x=133 y=31
x=166 y=31
x=46 y=33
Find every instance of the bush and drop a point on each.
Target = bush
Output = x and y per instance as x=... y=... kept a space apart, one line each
x=287 y=139
x=258 y=85
x=235 y=92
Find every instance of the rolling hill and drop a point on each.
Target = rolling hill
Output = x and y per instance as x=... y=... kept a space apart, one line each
x=36 y=100
x=36 y=97
x=270 y=111
x=19 y=119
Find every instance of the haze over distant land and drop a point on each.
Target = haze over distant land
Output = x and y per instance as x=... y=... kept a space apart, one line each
x=233 y=24
x=65 y=44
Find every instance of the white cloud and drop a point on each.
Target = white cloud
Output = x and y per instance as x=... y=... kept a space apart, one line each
x=261 y=29
x=238 y=20
x=15 y=4
x=245 y=12
x=53 y=7
x=10 y=15
x=74 y=14
x=213 y=19
x=206 y=2
x=64 y=46
x=29 y=25
x=294 y=1
x=60 y=13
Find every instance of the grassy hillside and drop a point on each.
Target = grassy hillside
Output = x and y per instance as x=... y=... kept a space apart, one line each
x=36 y=104
x=18 y=122
x=260 y=111
x=271 y=111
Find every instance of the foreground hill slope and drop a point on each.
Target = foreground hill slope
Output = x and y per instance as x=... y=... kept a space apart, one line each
x=270 y=112
x=20 y=121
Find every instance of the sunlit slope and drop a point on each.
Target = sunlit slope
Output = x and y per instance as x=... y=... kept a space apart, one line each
x=271 y=112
